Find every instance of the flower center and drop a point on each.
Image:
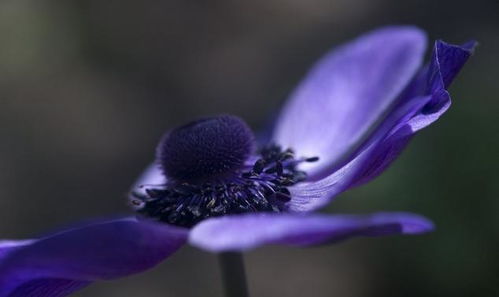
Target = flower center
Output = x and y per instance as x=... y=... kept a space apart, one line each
x=205 y=150
x=210 y=172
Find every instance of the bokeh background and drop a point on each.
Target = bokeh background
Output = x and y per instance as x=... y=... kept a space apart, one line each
x=88 y=87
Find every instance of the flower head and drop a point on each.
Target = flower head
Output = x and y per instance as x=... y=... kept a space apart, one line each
x=210 y=169
x=213 y=186
x=205 y=150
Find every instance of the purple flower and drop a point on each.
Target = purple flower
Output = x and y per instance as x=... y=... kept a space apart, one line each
x=213 y=187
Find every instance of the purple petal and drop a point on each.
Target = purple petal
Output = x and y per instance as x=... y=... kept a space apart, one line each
x=448 y=60
x=244 y=232
x=390 y=138
x=152 y=175
x=48 y=288
x=59 y=264
x=347 y=92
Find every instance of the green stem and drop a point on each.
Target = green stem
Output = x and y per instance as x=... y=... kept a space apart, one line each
x=233 y=275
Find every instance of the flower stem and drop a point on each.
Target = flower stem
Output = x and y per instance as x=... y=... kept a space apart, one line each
x=233 y=275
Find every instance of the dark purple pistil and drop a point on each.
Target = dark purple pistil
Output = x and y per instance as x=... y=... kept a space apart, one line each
x=205 y=150
x=209 y=174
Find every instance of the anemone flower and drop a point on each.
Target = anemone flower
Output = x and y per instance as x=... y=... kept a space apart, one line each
x=212 y=186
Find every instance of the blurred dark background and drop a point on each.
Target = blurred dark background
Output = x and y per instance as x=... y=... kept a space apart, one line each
x=88 y=87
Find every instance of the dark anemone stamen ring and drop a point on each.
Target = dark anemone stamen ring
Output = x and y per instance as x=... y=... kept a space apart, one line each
x=208 y=174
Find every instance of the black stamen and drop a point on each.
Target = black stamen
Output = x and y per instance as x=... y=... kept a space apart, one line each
x=259 y=166
x=261 y=187
x=312 y=159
